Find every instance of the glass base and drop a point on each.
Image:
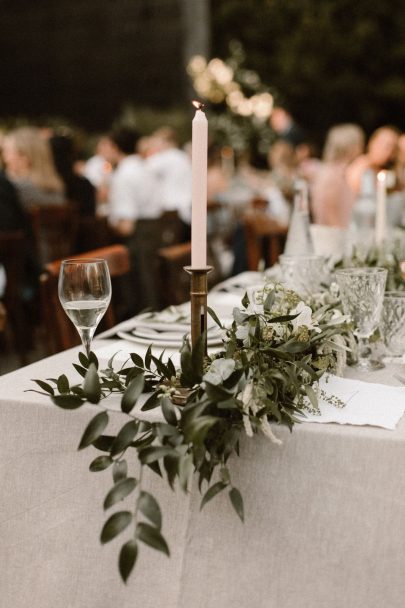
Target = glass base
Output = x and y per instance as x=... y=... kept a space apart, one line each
x=368 y=365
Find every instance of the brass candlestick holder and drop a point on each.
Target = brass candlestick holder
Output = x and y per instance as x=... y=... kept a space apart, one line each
x=198 y=297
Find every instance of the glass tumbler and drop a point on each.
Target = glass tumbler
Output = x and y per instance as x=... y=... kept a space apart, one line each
x=362 y=295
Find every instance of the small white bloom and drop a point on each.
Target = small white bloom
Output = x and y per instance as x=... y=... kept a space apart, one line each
x=304 y=317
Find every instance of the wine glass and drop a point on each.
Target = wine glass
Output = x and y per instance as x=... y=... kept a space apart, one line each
x=362 y=294
x=393 y=325
x=85 y=293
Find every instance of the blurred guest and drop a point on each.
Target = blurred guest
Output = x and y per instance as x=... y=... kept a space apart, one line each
x=307 y=161
x=97 y=169
x=134 y=212
x=29 y=163
x=400 y=164
x=332 y=197
x=171 y=168
x=285 y=127
x=14 y=218
x=218 y=177
x=381 y=154
x=283 y=167
x=77 y=187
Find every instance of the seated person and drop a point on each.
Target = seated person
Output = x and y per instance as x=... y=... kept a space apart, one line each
x=29 y=165
x=331 y=197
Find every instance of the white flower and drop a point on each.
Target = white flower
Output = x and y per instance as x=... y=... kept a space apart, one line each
x=304 y=317
x=255 y=295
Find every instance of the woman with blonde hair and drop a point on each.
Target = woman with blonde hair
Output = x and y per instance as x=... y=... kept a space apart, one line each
x=29 y=164
x=332 y=199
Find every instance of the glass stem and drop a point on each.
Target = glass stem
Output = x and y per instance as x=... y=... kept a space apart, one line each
x=87 y=336
x=364 y=349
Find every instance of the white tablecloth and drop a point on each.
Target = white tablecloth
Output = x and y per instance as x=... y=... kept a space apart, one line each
x=325 y=518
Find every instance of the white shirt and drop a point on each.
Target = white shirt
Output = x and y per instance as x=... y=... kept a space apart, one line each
x=172 y=171
x=133 y=192
x=95 y=170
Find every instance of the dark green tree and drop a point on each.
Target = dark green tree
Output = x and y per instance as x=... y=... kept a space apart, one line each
x=331 y=60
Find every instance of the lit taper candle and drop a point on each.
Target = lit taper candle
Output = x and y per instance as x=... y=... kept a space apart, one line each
x=199 y=151
x=381 y=209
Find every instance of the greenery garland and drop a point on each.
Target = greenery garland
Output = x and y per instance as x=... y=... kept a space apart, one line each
x=273 y=356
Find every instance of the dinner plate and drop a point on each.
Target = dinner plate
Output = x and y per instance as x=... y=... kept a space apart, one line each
x=161 y=341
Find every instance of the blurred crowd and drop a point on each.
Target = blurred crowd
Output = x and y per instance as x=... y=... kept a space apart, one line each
x=134 y=181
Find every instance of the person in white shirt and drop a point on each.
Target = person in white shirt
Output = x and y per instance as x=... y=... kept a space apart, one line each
x=171 y=168
x=134 y=217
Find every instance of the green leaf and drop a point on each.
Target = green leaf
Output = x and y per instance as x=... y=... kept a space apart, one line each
x=100 y=463
x=152 y=537
x=150 y=454
x=185 y=470
x=111 y=359
x=68 y=402
x=217 y=393
x=311 y=396
x=137 y=360
x=121 y=490
x=83 y=360
x=161 y=367
x=168 y=411
x=282 y=319
x=93 y=359
x=237 y=502
x=155 y=467
x=124 y=437
x=149 y=506
x=104 y=443
x=93 y=430
x=91 y=384
x=171 y=463
x=245 y=300
x=148 y=357
x=132 y=392
x=120 y=470
x=187 y=373
x=115 y=525
x=63 y=384
x=214 y=316
x=212 y=491
x=127 y=559
x=269 y=301
x=151 y=402
x=45 y=386
x=80 y=370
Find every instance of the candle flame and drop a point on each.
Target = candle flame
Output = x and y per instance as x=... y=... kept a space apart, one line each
x=198 y=105
x=382 y=176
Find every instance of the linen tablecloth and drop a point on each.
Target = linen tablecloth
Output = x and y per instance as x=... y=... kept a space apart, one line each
x=325 y=518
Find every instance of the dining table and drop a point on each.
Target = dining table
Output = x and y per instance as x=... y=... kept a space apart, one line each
x=324 y=511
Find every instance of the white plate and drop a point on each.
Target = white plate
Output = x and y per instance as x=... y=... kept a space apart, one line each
x=215 y=341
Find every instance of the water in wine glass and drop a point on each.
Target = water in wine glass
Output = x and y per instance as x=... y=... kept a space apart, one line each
x=85 y=292
x=85 y=314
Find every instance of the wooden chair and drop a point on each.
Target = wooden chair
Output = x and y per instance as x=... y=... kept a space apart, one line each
x=12 y=256
x=174 y=280
x=60 y=333
x=265 y=239
x=55 y=229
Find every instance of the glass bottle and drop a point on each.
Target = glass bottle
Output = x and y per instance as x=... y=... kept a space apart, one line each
x=299 y=241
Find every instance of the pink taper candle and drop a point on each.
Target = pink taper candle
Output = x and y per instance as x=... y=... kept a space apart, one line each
x=199 y=152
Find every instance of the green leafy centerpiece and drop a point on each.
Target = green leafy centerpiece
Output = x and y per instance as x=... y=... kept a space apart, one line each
x=273 y=356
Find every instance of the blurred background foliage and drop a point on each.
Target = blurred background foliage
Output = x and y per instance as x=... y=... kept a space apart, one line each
x=330 y=61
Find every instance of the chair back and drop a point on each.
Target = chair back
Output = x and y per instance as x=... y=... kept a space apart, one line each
x=60 y=333
x=174 y=281
x=265 y=239
x=55 y=229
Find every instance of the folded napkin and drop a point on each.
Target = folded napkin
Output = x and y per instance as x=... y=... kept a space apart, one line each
x=365 y=403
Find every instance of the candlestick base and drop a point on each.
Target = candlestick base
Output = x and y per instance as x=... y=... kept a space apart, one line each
x=198 y=299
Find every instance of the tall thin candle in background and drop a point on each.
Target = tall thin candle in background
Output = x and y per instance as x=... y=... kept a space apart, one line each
x=199 y=151
x=381 y=210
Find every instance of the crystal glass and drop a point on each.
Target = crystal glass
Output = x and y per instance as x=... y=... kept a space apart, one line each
x=362 y=294
x=393 y=324
x=85 y=293
x=303 y=273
